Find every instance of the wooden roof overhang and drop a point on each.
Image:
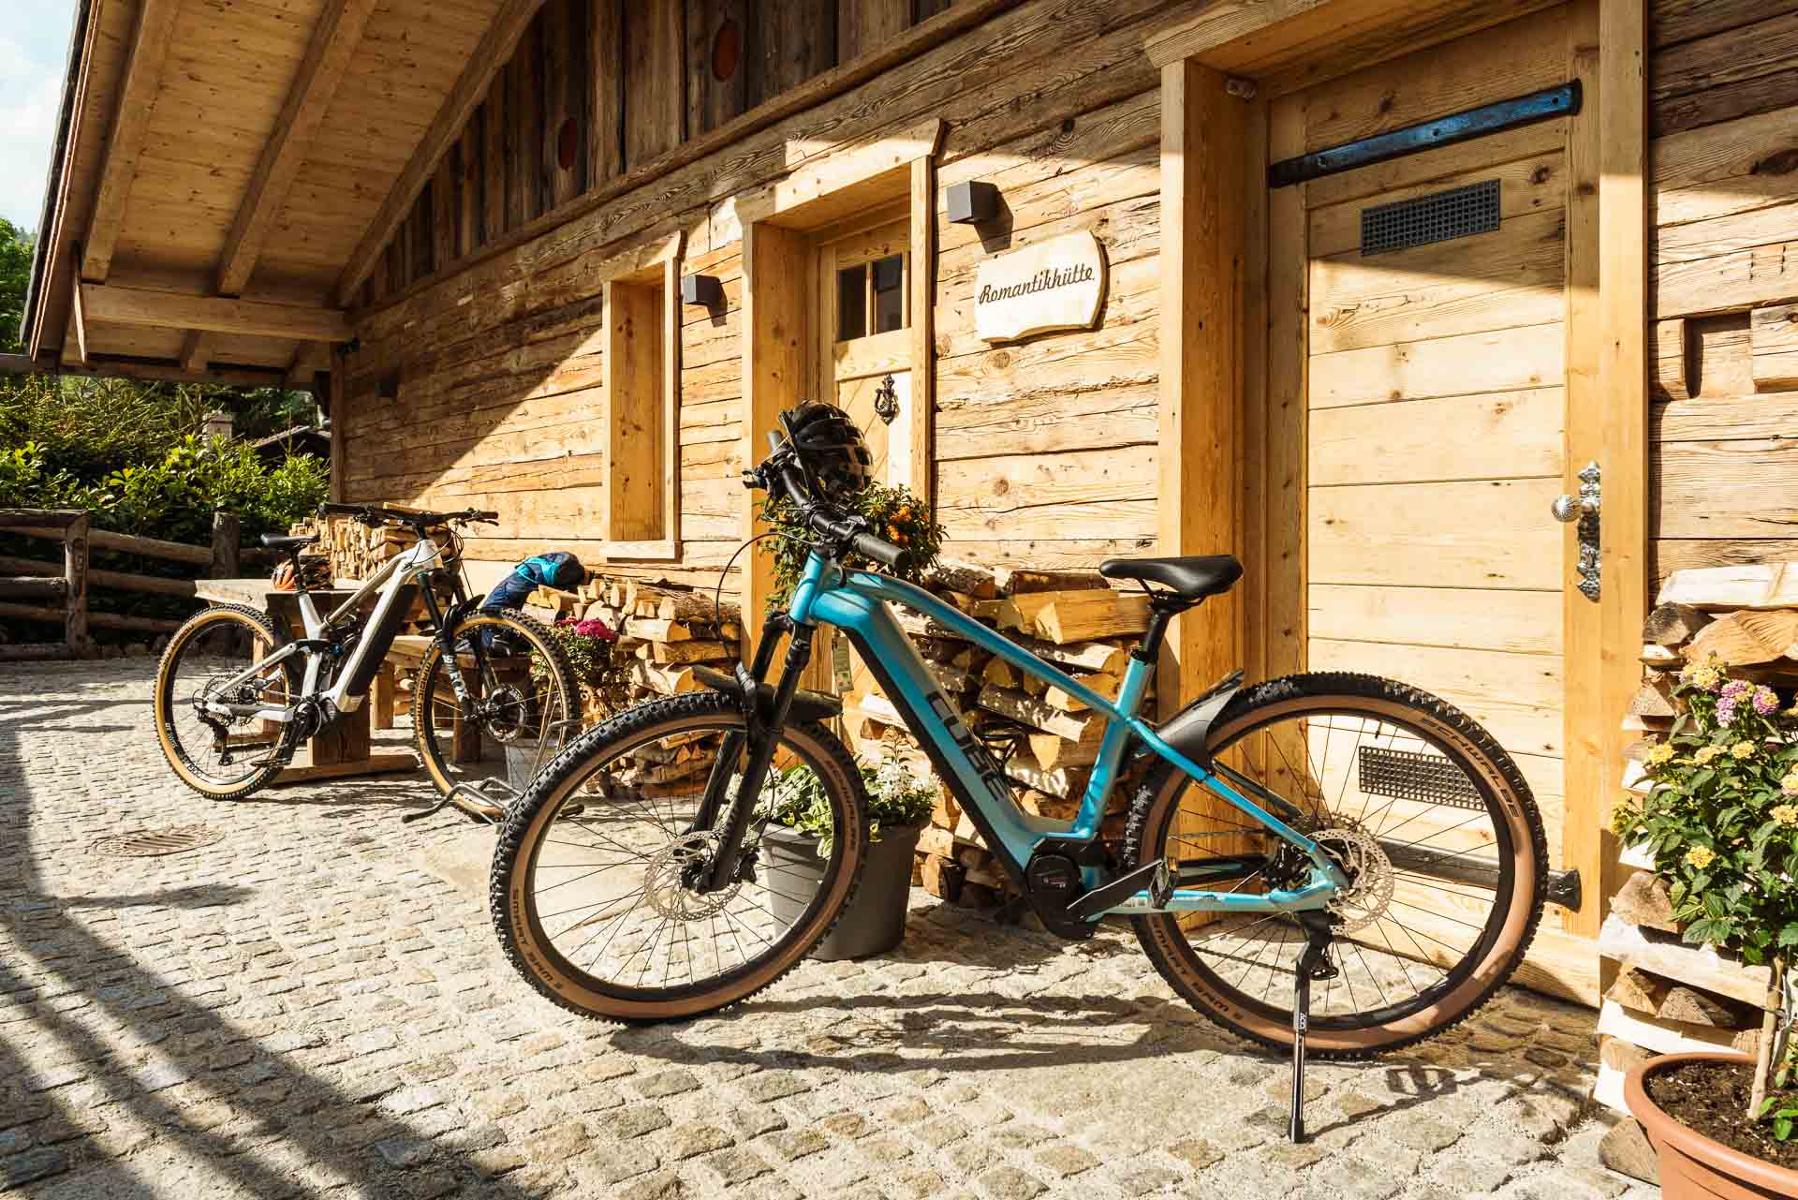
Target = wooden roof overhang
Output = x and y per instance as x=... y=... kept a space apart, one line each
x=217 y=166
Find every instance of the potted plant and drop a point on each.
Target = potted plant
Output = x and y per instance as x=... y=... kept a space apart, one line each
x=589 y=646
x=796 y=842
x=893 y=513
x=1721 y=823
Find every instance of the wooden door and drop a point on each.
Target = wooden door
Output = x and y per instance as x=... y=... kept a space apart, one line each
x=864 y=352
x=1418 y=425
x=862 y=363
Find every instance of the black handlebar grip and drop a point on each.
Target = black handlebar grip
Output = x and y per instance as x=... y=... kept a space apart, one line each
x=878 y=549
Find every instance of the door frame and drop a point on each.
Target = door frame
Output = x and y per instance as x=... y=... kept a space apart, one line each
x=778 y=224
x=1231 y=365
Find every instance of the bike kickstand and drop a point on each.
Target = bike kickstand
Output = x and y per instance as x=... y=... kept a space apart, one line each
x=1314 y=963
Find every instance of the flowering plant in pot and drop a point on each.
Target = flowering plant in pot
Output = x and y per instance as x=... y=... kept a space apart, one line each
x=1720 y=821
x=797 y=840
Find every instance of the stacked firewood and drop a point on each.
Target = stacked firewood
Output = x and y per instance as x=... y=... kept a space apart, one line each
x=663 y=629
x=356 y=551
x=1669 y=996
x=1046 y=739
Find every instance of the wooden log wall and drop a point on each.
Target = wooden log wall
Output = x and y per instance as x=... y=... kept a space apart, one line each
x=488 y=386
x=597 y=87
x=1724 y=91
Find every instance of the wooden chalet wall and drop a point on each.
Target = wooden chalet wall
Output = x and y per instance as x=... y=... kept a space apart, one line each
x=1724 y=94
x=479 y=377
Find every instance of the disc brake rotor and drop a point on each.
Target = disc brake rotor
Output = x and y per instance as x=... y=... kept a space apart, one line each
x=1369 y=891
x=664 y=886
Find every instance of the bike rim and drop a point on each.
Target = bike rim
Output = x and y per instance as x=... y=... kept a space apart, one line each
x=232 y=752
x=602 y=889
x=523 y=712
x=1435 y=818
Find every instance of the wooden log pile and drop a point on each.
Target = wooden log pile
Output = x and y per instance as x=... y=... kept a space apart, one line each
x=1669 y=996
x=1046 y=739
x=664 y=630
x=354 y=550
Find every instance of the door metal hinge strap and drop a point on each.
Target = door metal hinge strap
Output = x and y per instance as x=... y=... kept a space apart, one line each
x=1545 y=105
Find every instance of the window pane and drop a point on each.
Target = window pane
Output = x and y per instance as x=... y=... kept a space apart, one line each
x=852 y=302
x=889 y=293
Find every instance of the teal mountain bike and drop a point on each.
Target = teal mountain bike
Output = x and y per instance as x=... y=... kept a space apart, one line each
x=1330 y=859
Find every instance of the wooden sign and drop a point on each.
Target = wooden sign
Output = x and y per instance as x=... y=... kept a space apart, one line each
x=1057 y=284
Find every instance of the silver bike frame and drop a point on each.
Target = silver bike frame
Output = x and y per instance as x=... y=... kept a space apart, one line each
x=390 y=581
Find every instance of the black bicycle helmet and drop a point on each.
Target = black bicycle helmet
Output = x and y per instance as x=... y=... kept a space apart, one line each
x=830 y=448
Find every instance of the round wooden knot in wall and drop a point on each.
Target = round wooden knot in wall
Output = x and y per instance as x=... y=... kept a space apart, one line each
x=727 y=50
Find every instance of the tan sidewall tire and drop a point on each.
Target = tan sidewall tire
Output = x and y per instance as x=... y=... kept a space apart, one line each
x=224 y=614
x=525 y=824
x=1167 y=945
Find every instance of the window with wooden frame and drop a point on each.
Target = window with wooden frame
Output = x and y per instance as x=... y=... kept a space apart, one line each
x=642 y=381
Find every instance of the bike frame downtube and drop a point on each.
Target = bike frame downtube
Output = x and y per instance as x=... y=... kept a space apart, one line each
x=856 y=602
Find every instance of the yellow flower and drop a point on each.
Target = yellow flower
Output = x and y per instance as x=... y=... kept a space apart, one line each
x=1704 y=676
x=1784 y=814
x=1742 y=750
x=1700 y=857
x=1706 y=753
x=1789 y=785
x=1660 y=754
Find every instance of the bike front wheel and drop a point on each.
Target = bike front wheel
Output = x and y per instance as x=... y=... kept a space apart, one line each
x=523 y=706
x=1428 y=816
x=222 y=654
x=596 y=885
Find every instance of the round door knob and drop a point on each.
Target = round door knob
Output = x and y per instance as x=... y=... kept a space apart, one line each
x=1565 y=508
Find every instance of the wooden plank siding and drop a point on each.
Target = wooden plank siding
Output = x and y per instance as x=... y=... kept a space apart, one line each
x=1045 y=451
x=1724 y=94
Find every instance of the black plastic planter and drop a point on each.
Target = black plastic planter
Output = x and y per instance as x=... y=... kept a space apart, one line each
x=874 y=922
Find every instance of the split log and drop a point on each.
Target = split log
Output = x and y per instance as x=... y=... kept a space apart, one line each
x=1700 y=966
x=1049 y=751
x=1748 y=585
x=1082 y=656
x=954 y=575
x=1020 y=707
x=675 y=653
x=1016 y=581
x=656 y=629
x=1644 y=900
x=1076 y=616
x=1654 y=698
x=1673 y=625
x=1747 y=639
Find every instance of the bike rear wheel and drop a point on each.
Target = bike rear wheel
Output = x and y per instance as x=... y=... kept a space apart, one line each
x=592 y=887
x=223 y=758
x=1435 y=821
x=525 y=706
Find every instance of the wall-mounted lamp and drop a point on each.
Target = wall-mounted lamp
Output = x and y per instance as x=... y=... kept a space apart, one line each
x=971 y=203
x=703 y=290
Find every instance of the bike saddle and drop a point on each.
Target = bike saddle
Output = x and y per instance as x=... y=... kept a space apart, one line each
x=1192 y=577
x=288 y=543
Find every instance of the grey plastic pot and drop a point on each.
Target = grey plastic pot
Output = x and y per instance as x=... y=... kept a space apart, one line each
x=874 y=921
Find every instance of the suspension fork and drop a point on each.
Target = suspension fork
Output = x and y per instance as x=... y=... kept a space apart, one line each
x=763 y=736
x=446 y=640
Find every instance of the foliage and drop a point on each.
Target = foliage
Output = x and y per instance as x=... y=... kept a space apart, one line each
x=896 y=798
x=1721 y=818
x=15 y=276
x=591 y=648
x=172 y=497
x=1782 y=1111
x=1721 y=821
x=893 y=513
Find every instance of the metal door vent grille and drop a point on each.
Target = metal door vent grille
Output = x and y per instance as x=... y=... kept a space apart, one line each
x=1408 y=775
x=1437 y=217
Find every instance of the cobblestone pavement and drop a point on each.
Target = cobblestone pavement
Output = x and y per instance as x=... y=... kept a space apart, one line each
x=302 y=1008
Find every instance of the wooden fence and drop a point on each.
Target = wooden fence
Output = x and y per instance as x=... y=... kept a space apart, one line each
x=34 y=590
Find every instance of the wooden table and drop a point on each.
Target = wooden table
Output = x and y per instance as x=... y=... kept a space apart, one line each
x=344 y=750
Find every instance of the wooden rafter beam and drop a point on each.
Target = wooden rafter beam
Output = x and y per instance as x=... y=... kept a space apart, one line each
x=104 y=304
x=489 y=56
x=333 y=45
x=125 y=141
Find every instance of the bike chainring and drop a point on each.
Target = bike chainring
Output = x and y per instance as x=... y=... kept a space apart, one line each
x=665 y=879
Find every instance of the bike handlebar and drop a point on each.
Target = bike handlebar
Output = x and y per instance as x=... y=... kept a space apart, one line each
x=378 y=513
x=843 y=529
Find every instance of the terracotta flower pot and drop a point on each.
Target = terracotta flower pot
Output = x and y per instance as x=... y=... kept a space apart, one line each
x=1693 y=1167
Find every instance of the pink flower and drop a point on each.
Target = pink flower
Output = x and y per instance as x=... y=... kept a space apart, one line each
x=1766 y=701
x=593 y=627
